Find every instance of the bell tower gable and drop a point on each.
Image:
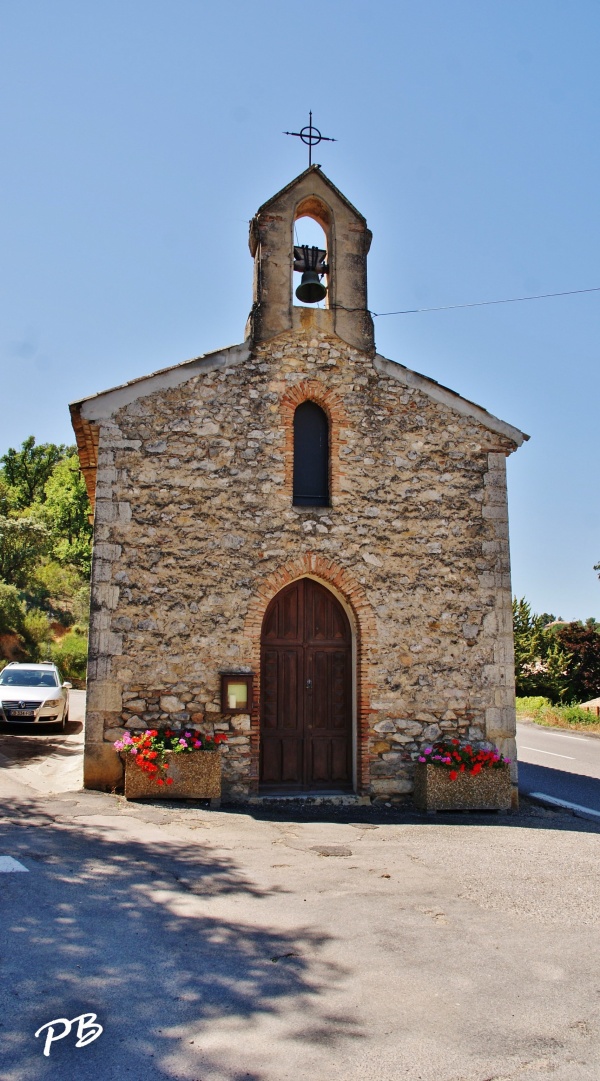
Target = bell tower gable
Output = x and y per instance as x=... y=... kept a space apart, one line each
x=348 y=240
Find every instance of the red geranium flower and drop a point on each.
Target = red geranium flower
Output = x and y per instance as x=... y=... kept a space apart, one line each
x=151 y=747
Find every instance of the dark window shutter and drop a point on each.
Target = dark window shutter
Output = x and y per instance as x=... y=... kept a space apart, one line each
x=311 y=456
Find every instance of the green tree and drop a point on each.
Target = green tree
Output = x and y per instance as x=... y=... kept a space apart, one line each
x=12 y=610
x=66 y=512
x=28 y=470
x=30 y=628
x=23 y=542
x=45 y=552
x=582 y=676
x=8 y=502
x=55 y=588
x=541 y=661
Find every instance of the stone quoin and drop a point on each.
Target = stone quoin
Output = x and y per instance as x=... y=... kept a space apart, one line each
x=373 y=621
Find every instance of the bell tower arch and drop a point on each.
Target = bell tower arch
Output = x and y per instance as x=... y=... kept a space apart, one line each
x=272 y=245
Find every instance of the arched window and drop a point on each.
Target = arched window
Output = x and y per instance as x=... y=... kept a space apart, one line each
x=311 y=456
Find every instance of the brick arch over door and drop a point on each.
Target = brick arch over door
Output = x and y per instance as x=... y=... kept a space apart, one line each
x=306 y=716
x=341 y=582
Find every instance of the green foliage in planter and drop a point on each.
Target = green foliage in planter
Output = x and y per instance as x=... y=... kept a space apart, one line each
x=149 y=749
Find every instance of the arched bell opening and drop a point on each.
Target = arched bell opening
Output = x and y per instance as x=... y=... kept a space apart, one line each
x=311 y=278
x=307 y=692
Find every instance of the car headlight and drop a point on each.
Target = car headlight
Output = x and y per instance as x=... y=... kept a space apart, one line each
x=52 y=702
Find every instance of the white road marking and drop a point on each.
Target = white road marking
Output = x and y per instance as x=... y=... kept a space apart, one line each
x=576 y=807
x=579 y=739
x=554 y=755
x=563 y=735
x=7 y=863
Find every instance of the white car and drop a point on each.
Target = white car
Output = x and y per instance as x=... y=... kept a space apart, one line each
x=33 y=694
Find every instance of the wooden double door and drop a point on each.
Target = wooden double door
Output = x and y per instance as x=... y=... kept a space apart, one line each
x=306 y=692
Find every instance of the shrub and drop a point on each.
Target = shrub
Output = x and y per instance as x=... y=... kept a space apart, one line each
x=12 y=610
x=543 y=712
x=70 y=655
x=36 y=631
x=531 y=703
x=59 y=590
x=23 y=542
x=81 y=607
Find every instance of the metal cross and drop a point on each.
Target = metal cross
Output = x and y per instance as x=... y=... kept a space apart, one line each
x=311 y=136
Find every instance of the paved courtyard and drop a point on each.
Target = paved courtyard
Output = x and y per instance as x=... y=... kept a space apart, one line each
x=222 y=946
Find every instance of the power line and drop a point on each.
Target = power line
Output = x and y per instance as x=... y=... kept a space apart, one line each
x=484 y=303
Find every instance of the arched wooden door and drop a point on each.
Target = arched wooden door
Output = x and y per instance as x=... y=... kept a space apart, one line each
x=306 y=692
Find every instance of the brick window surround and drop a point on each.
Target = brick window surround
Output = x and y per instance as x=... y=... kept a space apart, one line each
x=314 y=391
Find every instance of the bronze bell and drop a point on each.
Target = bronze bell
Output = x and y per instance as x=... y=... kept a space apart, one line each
x=311 y=288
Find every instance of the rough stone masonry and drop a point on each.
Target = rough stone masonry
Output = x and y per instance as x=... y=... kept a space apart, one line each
x=195 y=532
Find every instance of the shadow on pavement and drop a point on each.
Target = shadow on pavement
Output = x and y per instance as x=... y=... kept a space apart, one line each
x=38 y=731
x=117 y=928
x=560 y=783
x=529 y=816
x=18 y=748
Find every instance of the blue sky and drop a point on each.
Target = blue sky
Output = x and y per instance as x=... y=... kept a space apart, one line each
x=139 y=137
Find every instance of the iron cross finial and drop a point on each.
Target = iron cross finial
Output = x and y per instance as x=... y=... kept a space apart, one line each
x=311 y=136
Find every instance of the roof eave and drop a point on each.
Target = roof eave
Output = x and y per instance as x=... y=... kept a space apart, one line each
x=312 y=169
x=107 y=402
x=87 y=414
x=446 y=396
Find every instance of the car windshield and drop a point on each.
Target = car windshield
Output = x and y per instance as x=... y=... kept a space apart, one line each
x=27 y=677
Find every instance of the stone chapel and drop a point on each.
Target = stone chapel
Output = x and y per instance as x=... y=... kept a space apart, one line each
x=297 y=541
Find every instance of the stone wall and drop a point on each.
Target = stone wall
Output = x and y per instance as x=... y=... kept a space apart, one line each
x=195 y=532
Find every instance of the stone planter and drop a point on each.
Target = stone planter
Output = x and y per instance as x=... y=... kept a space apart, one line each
x=195 y=776
x=489 y=790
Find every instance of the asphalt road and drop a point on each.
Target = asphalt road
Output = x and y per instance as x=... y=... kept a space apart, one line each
x=565 y=765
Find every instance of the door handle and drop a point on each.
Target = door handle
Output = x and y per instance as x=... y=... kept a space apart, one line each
x=309 y=684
